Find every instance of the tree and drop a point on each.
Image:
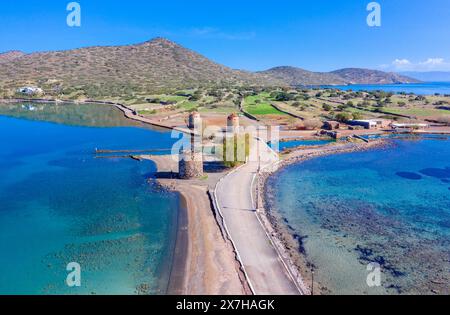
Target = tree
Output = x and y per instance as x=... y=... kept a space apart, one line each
x=283 y=97
x=343 y=117
x=241 y=144
x=196 y=96
x=380 y=104
x=420 y=98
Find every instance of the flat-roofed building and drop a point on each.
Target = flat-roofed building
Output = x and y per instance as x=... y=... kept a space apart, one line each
x=371 y=123
x=415 y=126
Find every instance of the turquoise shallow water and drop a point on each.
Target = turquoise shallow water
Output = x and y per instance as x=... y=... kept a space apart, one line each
x=389 y=205
x=58 y=204
x=416 y=88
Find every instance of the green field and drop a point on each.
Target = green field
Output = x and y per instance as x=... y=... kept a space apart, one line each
x=188 y=105
x=252 y=106
x=417 y=111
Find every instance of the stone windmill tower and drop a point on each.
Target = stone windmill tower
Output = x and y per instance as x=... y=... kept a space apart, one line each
x=233 y=123
x=195 y=121
x=190 y=163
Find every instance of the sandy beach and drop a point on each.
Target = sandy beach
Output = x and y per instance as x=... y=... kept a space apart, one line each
x=204 y=262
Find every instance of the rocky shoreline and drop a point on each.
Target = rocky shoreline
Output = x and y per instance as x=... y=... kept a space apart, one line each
x=289 y=242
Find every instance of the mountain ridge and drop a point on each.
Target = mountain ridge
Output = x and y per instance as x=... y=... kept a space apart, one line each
x=9 y=56
x=298 y=76
x=111 y=70
x=152 y=66
x=367 y=76
x=347 y=76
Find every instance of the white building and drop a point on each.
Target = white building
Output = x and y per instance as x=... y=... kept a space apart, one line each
x=371 y=123
x=417 y=126
x=30 y=90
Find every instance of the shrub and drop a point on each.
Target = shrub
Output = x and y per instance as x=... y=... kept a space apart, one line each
x=312 y=124
x=283 y=97
x=241 y=144
x=343 y=117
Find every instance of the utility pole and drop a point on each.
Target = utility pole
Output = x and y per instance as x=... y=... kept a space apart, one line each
x=259 y=168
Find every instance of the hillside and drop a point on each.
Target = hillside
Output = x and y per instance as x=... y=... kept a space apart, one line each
x=366 y=76
x=296 y=76
x=110 y=71
x=151 y=67
x=10 y=56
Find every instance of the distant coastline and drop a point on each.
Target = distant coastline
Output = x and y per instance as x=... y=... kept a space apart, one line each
x=425 y=88
x=128 y=113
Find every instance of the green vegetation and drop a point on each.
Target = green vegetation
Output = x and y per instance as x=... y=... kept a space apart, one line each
x=240 y=153
x=188 y=106
x=420 y=112
x=311 y=107
x=343 y=117
x=147 y=112
x=260 y=105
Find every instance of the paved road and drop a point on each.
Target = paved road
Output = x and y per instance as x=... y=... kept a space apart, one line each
x=265 y=270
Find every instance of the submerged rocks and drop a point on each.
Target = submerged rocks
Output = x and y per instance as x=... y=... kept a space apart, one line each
x=367 y=255
x=355 y=209
x=409 y=175
x=441 y=173
x=301 y=242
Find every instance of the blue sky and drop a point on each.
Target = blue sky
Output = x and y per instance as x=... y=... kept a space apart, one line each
x=318 y=35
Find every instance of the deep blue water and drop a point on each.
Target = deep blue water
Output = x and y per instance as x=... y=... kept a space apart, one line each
x=59 y=204
x=416 y=88
x=388 y=205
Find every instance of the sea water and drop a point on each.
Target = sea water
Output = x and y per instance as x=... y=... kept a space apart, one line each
x=60 y=204
x=389 y=206
x=291 y=144
x=429 y=88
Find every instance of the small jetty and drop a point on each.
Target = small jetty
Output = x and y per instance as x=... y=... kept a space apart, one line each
x=361 y=138
x=97 y=151
x=132 y=154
